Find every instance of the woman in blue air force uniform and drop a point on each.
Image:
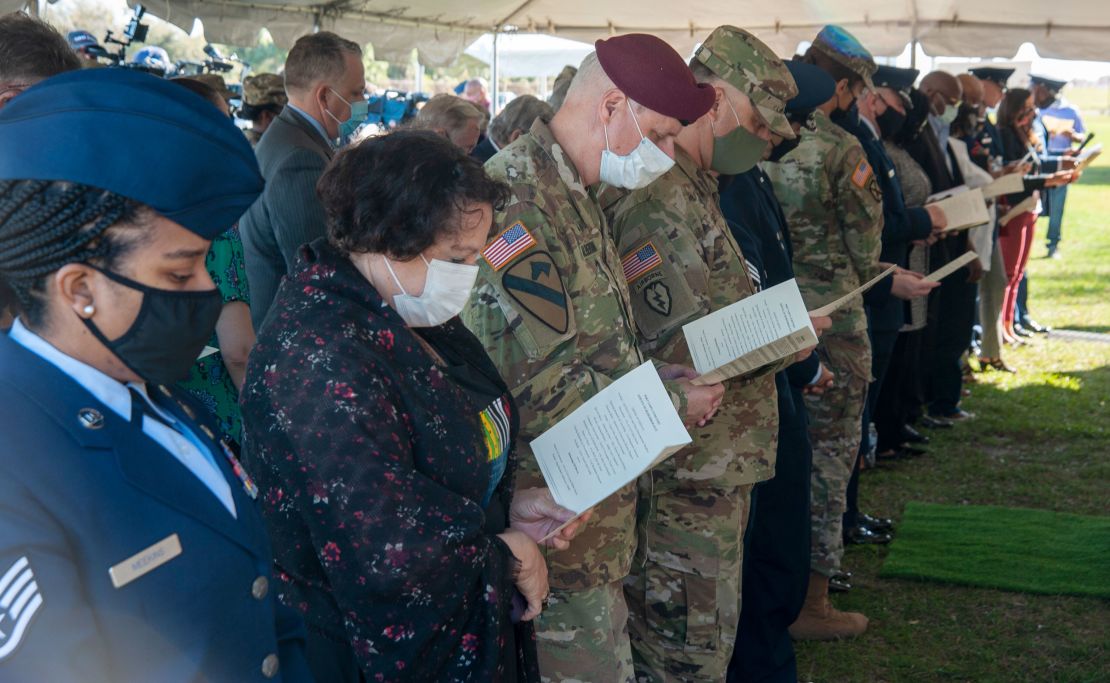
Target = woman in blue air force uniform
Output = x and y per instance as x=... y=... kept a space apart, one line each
x=130 y=544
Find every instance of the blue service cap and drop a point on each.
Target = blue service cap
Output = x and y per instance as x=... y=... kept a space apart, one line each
x=80 y=39
x=994 y=74
x=1050 y=83
x=815 y=87
x=898 y=80
x=108 y=127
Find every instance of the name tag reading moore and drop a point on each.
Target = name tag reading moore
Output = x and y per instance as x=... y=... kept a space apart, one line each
x=145 y=561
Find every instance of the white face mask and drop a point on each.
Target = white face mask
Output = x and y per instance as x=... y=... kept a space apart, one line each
x=446 y=291
x=639 y=168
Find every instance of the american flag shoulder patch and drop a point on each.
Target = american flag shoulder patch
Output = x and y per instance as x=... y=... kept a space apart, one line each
x=862 y=174
x=512 y=242
x=640 y=261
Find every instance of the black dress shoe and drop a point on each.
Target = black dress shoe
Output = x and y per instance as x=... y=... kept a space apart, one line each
x=860 y=535
x=839 y=584
x=931 y=422
x=911 y=435
x=1034 y=326
x=1022 y=332
x=877 y=524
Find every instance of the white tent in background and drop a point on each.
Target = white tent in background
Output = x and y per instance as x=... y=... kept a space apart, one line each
x=524 y=55
x=442 y=29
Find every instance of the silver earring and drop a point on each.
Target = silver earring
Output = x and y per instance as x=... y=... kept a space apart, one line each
x=89 y=310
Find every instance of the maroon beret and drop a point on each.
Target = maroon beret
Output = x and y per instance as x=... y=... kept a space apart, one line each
x=651 y=73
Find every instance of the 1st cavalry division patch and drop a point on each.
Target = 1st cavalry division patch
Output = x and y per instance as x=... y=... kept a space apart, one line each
x=534 y=283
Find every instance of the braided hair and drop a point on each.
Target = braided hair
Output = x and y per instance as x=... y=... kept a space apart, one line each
x=47 y=224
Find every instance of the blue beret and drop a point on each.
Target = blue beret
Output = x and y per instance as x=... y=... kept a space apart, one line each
x=815 y=87
x=109 y=127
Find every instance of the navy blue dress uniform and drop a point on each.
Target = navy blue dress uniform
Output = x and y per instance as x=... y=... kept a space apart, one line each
x=776 y=543
x=130 y=545
x=987 y=142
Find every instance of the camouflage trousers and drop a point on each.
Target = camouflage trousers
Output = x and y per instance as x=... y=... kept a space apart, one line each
x=684 y=589
x=834 y=430
x=582 y=636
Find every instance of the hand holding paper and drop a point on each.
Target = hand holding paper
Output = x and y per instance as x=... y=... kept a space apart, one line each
x=839 y=303
x=626 y=429
x=749 y=334
x=963 y=210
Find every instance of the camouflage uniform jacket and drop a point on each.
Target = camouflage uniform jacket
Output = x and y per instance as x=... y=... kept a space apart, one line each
x=556 y=320
x=833 y=204
x=677 y=222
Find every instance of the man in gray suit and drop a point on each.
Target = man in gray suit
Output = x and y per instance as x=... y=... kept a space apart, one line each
x=323 y=77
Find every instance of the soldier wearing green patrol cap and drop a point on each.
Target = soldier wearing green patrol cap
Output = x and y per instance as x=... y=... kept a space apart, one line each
x=694 y=507
x=833 y=205
x=263 y=99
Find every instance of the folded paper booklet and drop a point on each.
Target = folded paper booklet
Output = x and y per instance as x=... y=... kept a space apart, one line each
x=963 y=210
x=626 y=429
x=831 y=307
x=1057 y=125
x=1087 y=156
x=749 y=334
x=952 y=266
x=1027 y=204
x=1007 y=184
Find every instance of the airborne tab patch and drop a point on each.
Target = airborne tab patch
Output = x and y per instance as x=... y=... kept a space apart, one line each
x=534 y=283
x=640 y=262
x=513 y=241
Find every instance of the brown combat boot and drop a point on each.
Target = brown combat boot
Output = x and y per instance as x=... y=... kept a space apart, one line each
x=819 y=620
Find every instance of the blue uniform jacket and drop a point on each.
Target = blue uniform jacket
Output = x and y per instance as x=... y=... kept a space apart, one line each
x=901 y=225
x=78 y=497
x=758 y=225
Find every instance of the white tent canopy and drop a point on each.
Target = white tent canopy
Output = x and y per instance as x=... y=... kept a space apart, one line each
x=529 y=56
x=441 y=29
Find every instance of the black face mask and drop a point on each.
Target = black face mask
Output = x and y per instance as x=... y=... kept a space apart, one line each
x=785 y=147
x=167 y=335
x=890 y=122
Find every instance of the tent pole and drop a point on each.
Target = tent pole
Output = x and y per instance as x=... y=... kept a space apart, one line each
x=494 y=72
x=913 y=53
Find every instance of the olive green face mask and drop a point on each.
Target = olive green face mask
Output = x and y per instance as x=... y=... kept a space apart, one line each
x=737 y=151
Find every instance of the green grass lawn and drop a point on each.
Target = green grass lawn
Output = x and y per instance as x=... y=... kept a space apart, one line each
x=1041 y=440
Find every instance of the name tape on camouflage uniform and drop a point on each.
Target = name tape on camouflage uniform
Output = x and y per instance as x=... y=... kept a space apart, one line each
x=640 y=262
x=512 y=242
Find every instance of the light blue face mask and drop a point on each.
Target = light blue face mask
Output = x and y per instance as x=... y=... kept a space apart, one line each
x=639 y=168
x=360 y=111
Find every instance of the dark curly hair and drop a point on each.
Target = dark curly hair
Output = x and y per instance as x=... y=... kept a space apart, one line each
x=45 y=225
x=398 y=193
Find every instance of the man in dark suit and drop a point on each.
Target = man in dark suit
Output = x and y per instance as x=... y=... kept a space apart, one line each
x=324 y=77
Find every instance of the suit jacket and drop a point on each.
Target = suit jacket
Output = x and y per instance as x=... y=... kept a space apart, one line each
x=484 y=151
x=79 y=497
x=291 y=155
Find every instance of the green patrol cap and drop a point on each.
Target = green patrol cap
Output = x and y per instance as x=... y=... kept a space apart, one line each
x=262 y=89
x=746 y=63
x=844 y=49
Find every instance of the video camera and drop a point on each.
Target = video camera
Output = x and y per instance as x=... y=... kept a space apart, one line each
x=136 y=31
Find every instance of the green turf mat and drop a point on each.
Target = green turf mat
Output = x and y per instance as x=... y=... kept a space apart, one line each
x=1034 y=551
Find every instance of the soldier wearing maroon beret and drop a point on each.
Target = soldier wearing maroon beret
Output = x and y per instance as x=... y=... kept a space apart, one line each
x=552 y=308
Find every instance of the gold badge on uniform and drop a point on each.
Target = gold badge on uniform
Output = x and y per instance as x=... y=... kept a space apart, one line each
x=534 y=283
x=145 y=561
